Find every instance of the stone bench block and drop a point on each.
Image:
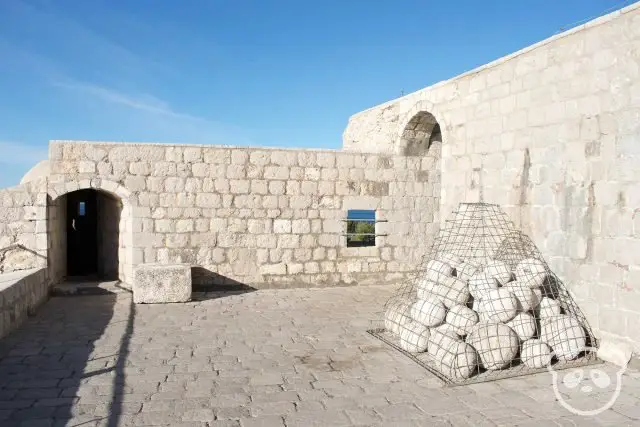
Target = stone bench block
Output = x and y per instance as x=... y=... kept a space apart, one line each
x=162 y=283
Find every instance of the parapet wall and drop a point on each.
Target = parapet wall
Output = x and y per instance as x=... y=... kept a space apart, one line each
x=21 y=293
x=23 y=227
x=265 y=217
x=552 y=134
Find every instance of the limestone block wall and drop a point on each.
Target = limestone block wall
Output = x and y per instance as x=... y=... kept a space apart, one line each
x=23 y=238
x=552 y=133
x=21 y=293
x=57 y=238
x=108 y=235
x=265 y=217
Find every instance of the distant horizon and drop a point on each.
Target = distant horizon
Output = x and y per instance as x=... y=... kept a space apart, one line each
x=268 y=75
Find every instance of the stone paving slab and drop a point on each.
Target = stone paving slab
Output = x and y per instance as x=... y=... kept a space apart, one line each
x=264 y=358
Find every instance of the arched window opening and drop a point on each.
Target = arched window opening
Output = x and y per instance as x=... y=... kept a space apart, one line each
x=420 y=133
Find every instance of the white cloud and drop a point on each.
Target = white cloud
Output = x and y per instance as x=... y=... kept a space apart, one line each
x=155 y=116
x=144 y=102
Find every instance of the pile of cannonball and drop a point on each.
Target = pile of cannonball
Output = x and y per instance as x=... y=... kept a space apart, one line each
x=468 y=317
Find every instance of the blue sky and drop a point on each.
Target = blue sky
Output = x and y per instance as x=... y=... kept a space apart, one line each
x=242 y=72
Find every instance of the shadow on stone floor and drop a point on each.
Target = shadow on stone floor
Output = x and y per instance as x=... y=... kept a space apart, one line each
x=43 y=364
x=211 y=285
x=68 y=365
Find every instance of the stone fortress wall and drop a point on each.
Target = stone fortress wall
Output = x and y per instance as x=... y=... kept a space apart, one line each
x=257 y=216
x=552 y=134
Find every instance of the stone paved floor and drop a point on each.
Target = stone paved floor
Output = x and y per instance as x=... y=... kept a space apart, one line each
x=266 y=358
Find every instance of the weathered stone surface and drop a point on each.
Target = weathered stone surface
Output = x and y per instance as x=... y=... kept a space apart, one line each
x=21 y=294
x=162 y=283
x=178 y=362
x=496 y=344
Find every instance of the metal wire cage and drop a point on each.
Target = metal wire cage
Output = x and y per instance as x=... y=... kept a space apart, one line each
x=485 y=305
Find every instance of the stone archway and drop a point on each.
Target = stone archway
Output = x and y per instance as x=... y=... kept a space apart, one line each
x=114 y=218
x=419 y=130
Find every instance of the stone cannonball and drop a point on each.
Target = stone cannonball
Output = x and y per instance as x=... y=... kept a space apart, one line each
x=499 y=270
x=414 y=337
x=462 y=319
x=524 y=324
x=398 y=312
x=535 y=354
x=449 y=258
x=531 y=272
x=499 y=305
x=565 y=335
x=481 y=283
x=528 y=298
x=453 y=357
x=428 y=311
x=465 y=271
x=496 y=344
x=548 y=307
x=437 y=270
x=452 y=291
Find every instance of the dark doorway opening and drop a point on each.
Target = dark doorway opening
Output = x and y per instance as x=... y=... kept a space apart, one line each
x=92 y=223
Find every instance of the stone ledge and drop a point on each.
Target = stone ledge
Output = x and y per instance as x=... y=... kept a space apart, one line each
x=21 y=293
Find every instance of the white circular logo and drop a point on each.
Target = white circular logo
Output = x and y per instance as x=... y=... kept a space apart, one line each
x=587 y=380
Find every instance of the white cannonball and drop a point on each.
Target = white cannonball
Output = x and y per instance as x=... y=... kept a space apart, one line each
x=452 y=291
x=438 y=270
x=548 y=307
x=428 y=311
x=527 y=298
x=535 y=354
x=425 y=288
x=499 y=270
x=496 y=344
x=453 y=357
x=465 y=271
x=524 y=325
x=565 y=335
x=531 y=272
x=534 y=281
x=530 y=267
x=499 y=305
x=452 y=259
x=481 y=283
x=446 y=329
x=414 y=337
x=397 y=314
x=462 y=319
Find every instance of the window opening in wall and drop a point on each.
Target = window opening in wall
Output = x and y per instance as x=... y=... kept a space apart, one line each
x=81 y=208
x=361 y=228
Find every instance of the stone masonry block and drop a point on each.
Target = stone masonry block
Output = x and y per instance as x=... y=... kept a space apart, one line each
x=161 y=283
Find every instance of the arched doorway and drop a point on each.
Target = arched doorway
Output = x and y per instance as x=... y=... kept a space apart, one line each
x=420 y=133
x=90 y=231
x=92 y=234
